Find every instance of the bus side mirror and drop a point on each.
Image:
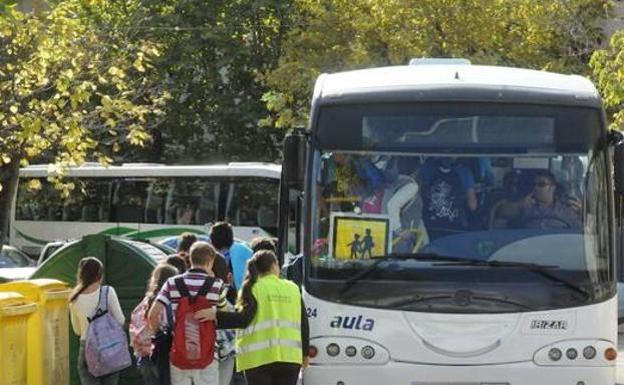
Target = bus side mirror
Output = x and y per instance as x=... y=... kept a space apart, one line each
x=294 y=270
x=618 y=164
x=294 y=160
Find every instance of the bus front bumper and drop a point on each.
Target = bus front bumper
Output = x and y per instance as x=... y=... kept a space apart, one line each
x=395 y=373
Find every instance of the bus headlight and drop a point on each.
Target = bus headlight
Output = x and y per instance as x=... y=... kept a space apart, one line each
x=554 y=354
x=349 y=350
x=333 y=350
x=368 y=352
x=589 y=352
x=571 y=354
x=576 y=353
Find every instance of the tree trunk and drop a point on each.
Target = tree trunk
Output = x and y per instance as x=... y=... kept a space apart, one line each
x=8 y=178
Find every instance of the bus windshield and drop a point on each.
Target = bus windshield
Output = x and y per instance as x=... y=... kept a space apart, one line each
x=452 y=211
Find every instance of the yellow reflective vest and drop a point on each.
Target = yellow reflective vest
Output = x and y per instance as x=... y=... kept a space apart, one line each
x=274 y=334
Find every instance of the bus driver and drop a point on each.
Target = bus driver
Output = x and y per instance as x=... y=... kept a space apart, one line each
x=542 y=209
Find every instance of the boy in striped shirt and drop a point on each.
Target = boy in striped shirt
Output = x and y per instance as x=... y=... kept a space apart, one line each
x=202 y=257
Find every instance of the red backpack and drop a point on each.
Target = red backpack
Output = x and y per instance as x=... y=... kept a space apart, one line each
x=193 y=341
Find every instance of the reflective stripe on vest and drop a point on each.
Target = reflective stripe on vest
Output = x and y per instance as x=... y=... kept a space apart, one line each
x=274 y=334
x=268 y=344
x=283 y=324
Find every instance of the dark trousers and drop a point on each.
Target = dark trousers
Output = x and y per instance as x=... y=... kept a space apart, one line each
x=277 y=373
x=148 y=370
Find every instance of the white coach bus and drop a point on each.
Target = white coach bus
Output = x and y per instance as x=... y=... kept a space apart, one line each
x=457 y=227
x=145 y=201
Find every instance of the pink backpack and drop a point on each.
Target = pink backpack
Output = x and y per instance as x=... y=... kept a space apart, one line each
x=106 y=346
x=140 y=333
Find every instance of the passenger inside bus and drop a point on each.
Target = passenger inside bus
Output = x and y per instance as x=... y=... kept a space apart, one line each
x=375 y=186
x=503 y=208
x=481 y=169
x=516 y=194
x=449 y=196
x=186 y=214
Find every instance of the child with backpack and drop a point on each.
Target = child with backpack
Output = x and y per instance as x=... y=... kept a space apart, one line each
x=97 y=318
x=193 y=347
x=141 y=334
x=226 y=349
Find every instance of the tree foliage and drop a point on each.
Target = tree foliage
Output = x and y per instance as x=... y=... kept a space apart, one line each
x=215 y=53
x=608 y=71
x=72 y=86
x=222 y=80
x=336 y=35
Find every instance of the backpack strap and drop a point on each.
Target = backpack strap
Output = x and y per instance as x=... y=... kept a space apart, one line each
x=101 y=310
x=103 y=300
x=181 y=286
x=203 y=290
x=169 y=313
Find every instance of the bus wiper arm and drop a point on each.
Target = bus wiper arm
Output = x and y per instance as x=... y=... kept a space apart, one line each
x=392 y=257
x=463 y=261
x=542 y=270
x=448 y=260
x=410 y=301
x=359 y=276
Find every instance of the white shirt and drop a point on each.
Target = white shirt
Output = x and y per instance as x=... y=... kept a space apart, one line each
x=85 y=306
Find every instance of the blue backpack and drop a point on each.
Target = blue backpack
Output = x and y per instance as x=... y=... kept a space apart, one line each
x=106 y=345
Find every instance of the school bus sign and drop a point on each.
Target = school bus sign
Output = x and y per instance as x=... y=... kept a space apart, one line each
x=355 y=236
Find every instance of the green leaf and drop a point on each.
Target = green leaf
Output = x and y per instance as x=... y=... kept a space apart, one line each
x=138 y=65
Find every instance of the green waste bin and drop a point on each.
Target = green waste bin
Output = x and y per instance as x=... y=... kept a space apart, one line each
x=128 y=265
x=15 y=311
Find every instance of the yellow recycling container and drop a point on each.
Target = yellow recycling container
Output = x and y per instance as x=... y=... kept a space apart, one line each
x=15 y=311
x=48 y=330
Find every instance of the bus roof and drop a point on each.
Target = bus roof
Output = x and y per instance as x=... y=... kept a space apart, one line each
x=455 y=82
x=237 y=169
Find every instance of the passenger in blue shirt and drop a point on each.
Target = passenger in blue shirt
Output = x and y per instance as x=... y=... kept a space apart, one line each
x=449 y=196
x=481 y=169
x=236 y=253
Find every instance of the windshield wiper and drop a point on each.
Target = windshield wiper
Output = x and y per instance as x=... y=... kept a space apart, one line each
x=448 y=260
x=541 y=270
x=395 y=257
x=411 y=301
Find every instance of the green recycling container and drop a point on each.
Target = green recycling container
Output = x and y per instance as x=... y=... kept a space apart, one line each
x=128 y=265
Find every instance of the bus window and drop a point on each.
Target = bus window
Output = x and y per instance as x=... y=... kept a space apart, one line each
x=192 y=202
x=31 y=204
x=113 y=200
x=155 y=201
x=252 y=202
x=597 y=212
x=40 y=201
x=129 y=200
x=208 y=192
x=89 y=201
